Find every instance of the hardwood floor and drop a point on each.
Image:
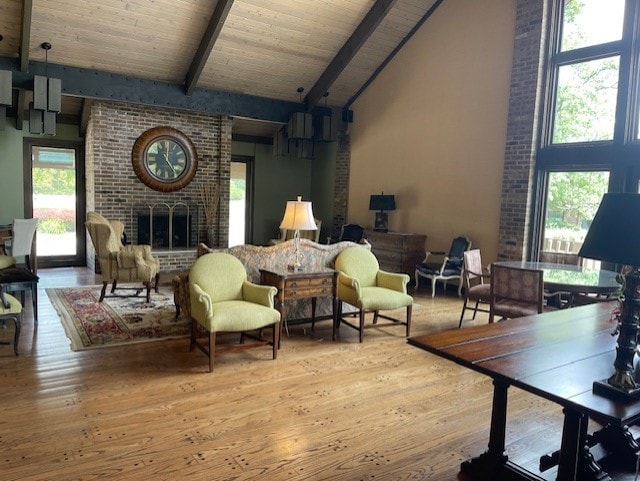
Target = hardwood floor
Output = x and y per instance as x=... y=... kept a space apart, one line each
x=322 y=411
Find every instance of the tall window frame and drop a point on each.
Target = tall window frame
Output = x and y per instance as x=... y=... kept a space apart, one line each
x=620 y=155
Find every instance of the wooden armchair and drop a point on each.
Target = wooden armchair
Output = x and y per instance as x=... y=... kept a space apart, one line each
x=120 y=263
x=477 y=286
x=363 y=285
x=223 y=300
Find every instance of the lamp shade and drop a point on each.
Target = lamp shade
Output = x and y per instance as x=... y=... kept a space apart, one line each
x=298 y=215
x=382 y=202
x=614 y=235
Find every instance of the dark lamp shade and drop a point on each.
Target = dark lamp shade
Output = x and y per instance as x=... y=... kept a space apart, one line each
x=614 y=235
x=382 y=202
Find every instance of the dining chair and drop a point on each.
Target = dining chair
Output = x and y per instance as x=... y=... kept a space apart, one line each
x=21 y=243
x=475 y=288
x=515 y=292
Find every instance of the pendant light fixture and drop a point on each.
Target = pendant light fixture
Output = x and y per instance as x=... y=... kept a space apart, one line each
x=5 y=93
x=47 y=100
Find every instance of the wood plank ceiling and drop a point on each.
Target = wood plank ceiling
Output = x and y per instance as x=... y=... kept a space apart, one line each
x=263 y=48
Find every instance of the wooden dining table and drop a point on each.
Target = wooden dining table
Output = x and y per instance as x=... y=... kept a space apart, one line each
x=557 y=356
x=571 y=278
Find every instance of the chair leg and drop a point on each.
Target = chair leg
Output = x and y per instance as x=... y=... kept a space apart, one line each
x=460 y=288
x=361 y=330
x=17 y=320
x=375 y=317
x=464 y=308
x=194 y=330
x=148 y=286
x=113 y=286
x=417 y=276
x=409 y=309
x=336 y=321
x=433 y=287
x=156 y=283
x=276 y=340
x=212 y=349
x=103 y=291
x=475 y=310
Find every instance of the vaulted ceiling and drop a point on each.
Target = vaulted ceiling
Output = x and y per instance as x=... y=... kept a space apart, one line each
x=244 y=58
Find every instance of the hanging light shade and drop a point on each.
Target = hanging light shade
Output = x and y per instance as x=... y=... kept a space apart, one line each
x=300 y=126
x=281 y=142
x=47 y=100
x=6 y=98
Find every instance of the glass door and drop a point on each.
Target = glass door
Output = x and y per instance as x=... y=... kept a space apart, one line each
x=54 y=194
x=240 y=201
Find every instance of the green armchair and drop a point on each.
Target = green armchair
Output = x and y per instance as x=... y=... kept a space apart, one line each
x=363 y=285
x=223 y=300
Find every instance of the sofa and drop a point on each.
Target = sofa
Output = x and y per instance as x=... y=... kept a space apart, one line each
x=254 y=258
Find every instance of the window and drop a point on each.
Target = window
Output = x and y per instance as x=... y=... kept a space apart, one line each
x=589 y=141
x=572 y=201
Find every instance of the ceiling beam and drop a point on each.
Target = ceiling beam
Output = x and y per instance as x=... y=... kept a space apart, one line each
x=96 y=84
x=362 y=32
x=206 y=44
x=25 y=34
x=384 y=63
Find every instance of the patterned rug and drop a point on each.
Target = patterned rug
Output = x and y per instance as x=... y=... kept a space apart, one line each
x=117 y=320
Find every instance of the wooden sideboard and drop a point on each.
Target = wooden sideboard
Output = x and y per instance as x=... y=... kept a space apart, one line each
x=397 y=251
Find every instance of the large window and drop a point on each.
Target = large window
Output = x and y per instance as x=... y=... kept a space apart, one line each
x=589 y=139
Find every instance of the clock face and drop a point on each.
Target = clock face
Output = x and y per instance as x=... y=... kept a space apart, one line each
x=164 y=159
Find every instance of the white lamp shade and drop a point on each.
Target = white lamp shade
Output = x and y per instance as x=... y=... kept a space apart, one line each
x=298 y=216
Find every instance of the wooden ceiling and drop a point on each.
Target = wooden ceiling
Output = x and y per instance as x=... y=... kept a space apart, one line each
x=262 y=48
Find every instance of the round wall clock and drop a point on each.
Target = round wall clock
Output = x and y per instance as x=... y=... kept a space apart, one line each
x=164 y=159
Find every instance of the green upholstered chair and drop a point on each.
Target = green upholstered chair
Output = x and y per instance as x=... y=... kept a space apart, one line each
x=11 y=309
x=362 y=284
x=223 y=300
x=121 y=263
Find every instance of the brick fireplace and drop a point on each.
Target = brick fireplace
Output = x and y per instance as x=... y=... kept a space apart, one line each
x=115 y=191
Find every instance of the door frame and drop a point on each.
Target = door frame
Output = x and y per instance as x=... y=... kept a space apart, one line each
x=80 y=259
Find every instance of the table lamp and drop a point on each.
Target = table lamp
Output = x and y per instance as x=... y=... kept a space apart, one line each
x=298 y=216
x=613 y=237
x=382 y=203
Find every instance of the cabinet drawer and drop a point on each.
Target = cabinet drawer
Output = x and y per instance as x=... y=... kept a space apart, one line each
x=309 y=291
x=312 y=282
x=388 y=256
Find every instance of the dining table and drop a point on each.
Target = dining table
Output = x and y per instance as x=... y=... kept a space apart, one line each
x=572 y=279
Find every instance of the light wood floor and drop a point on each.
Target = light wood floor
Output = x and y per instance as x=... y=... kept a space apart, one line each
x=381 y=410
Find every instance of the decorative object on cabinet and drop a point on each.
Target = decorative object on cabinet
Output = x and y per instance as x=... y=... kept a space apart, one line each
x=164 y=159
x=397 y=251
x=382 y=203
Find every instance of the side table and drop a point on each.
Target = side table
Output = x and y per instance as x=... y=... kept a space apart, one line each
x=301 y=285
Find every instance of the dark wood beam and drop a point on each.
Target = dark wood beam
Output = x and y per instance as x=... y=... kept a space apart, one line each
x=206 y=44
x=25 y=34
x=97 y=84
x=424 y=18
x=362 y=32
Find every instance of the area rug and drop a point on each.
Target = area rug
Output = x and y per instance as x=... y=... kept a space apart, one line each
x=117 y=320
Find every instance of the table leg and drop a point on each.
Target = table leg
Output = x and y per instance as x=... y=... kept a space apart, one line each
x=574 y=439
x=313 y=312
x=489 y=465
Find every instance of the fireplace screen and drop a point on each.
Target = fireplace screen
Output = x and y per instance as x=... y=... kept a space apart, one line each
x=167 y=227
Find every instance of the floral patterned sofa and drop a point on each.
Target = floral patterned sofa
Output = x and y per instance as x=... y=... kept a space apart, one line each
x=254 y=258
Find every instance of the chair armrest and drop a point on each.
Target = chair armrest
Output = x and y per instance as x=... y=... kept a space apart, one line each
x=350 y=282
x=392 y=280
x=202 y=298
x=258 y=294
